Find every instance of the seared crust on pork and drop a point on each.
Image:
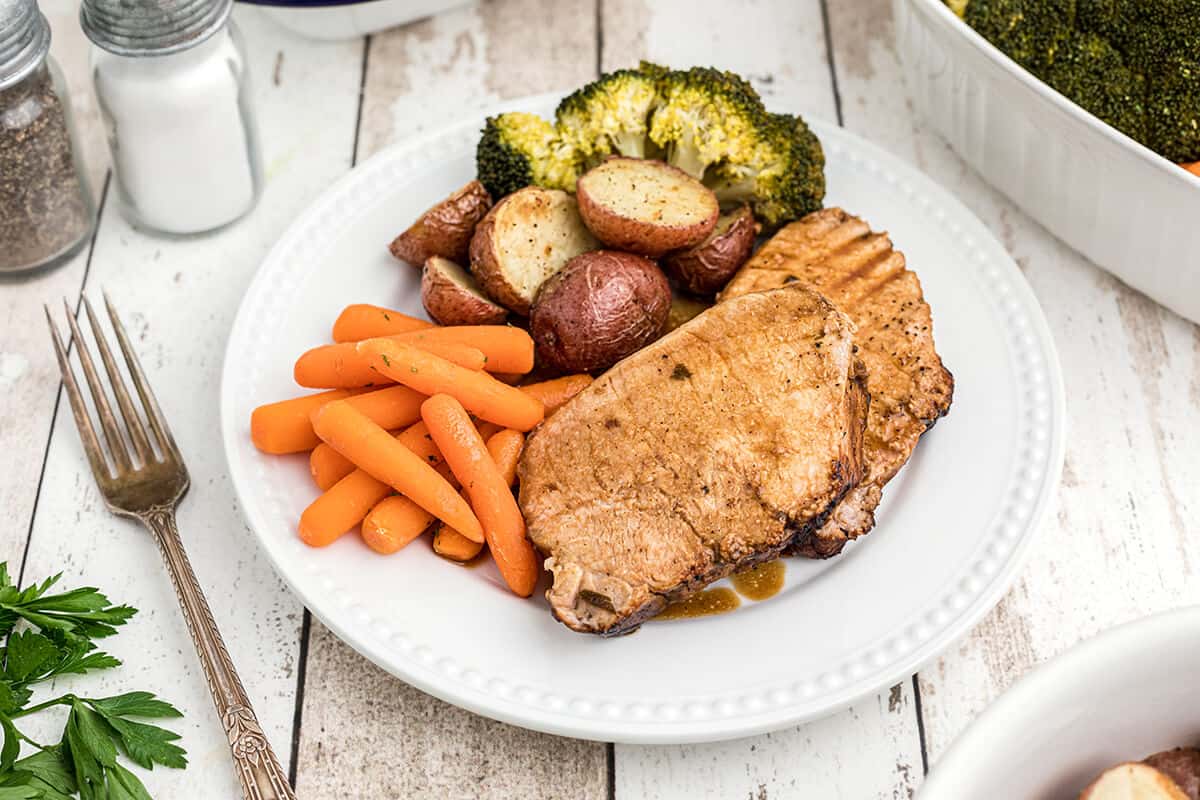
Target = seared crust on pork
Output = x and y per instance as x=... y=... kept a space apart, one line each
x=711 y=450
x=839 y=256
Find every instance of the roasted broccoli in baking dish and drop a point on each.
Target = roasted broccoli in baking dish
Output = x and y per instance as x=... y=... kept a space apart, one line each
x=709 y=123
x=1133 y=63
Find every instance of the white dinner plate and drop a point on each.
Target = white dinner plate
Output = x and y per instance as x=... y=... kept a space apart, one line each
x=1124 y=695
x=952 y=529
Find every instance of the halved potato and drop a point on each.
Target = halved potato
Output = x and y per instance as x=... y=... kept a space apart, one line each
x=708 y=266
x=446 y=229
x=452 y=297
x=1133 y=781
x=527 y=237
x=598 y=309
x=1181 y=765
x=645 y=206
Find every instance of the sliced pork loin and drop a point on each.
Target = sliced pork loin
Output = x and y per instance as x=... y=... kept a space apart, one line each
x=840 y=256
x=711 y=450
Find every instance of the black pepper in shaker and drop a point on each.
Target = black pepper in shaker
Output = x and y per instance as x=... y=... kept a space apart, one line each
x=46 y=209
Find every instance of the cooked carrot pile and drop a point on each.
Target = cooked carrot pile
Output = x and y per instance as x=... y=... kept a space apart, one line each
x=419 y=430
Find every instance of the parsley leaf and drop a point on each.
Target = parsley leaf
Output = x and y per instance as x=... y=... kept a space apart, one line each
x=145 y=744
x=43 y=636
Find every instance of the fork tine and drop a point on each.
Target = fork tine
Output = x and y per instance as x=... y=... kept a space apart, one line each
x=108 y=422
x=133 y=423
x=158 y=423
x=91 y=445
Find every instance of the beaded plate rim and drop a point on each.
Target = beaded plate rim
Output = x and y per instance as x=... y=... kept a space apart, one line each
x=979 y=585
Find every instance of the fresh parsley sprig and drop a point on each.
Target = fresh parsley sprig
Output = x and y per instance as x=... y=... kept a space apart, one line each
x=44 y=636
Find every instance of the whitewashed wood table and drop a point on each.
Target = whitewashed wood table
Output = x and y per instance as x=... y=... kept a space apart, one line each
x=1117 y=549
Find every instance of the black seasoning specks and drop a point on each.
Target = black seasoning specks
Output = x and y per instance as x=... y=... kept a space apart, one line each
x=44 y=211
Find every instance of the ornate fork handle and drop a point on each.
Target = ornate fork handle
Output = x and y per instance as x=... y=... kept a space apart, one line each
x=257 y=768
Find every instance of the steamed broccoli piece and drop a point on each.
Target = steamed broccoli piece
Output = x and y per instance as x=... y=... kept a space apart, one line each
x=519 y=150
x=1173 y=110
x=609 y=115
x=707 y=117
x=784 y=181
x=1028 y=31
x=1090 y=71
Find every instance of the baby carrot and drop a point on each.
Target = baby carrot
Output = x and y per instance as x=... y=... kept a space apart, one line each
x=328 y=466
x=493 y=502
x=1193 y=167
x=373 y=450
x=345 y=504
x=391 y=408
x=394 y=522
x=507 y=349
x=555 y=393
x=362 y=321
x=449 y=543
x=483 y=395
x=284 y=427
x=339 y=366
x=505 y=449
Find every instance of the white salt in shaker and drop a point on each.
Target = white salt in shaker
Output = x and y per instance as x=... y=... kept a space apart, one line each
x=171 y=81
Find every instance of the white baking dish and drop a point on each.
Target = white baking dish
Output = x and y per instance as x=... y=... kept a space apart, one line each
x=1112 y=199
x=1121 y=696
x=347 y=19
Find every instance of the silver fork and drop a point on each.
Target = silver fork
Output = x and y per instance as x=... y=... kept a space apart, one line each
x=148 y=484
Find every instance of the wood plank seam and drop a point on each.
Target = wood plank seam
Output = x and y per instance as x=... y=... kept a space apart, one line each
x=87 y=266
x=306 y=619
x=833 y=75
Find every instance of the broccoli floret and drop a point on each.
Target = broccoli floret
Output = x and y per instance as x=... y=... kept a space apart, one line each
x=784 y=181
x=709 y=123
x=609 y=115
x=1173 y=110
x=1090 y=71
x=1028 y=31
x=707 y=117
x=1133 y=63
x=519 y=149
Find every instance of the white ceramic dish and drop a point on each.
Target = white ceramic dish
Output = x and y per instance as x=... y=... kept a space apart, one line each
x=1121 y=696
x=348 y=19
x=1112 y=199
x=952 y=531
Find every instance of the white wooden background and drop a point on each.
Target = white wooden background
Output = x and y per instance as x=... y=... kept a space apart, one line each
x=1116 y=549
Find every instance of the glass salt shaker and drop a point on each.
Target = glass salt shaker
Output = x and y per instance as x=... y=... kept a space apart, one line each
x=173 y=88
x=46 y=209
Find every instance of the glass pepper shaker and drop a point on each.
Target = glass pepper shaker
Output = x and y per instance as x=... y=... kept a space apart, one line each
x=173 y=89
x=46 y=209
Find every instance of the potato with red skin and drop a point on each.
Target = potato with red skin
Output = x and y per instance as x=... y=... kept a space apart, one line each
x=645 y=207
x=1181 y=765
x=601 y=307
x=707 y=267
x=526 y=237
x=1133 y=781
x=452 y=297
x=446 y=229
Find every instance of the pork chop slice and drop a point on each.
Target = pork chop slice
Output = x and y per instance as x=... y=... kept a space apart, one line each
x=709 y=451
x=838 y=255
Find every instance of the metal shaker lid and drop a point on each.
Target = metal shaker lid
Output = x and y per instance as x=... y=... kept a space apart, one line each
x=24 y=40
x=151 y=27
